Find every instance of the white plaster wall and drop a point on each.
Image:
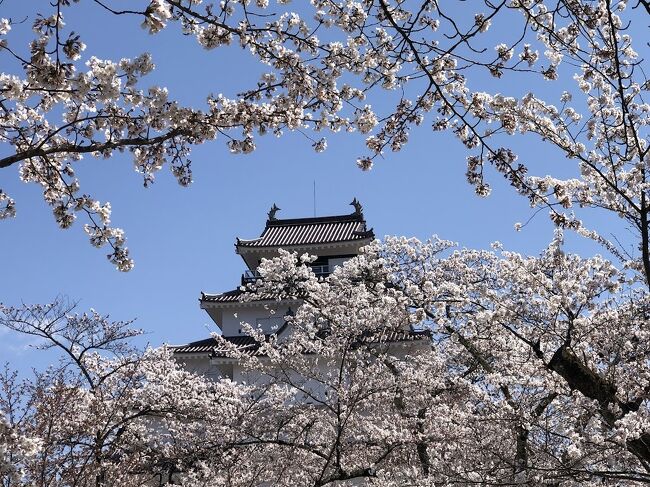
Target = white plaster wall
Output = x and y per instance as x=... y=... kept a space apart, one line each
x=203 y=366
x=195 y=365
x=316 y=390
x=233 y=317
x=245 y=376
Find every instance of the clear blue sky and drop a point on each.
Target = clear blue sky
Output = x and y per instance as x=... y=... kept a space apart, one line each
x=183 y=239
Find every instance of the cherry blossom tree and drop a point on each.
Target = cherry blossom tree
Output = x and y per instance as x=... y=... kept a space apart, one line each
x=107 y=413
x=413 y=364
x=536 y=368
x=536 y=372
x=325 y=63
x=15 y=450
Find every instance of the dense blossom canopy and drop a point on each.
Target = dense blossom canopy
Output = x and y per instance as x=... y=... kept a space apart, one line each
x=536 y=369
x=324 y=64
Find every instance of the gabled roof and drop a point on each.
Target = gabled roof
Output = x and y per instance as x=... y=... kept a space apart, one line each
x=251 y=347
x=226 y=297
x=310 y=231
x=244 y=343
x=212 y=347
x=235 y=297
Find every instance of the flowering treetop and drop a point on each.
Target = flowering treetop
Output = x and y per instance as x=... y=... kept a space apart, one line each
x=327 y=65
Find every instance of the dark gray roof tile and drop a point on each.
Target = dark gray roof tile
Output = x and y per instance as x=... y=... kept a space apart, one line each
x=309 y=231
x=233 y=296
x=251 y=347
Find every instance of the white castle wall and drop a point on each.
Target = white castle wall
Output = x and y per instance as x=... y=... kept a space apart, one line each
x=269 y=318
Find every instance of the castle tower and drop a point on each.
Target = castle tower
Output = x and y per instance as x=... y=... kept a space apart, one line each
x=333 y=239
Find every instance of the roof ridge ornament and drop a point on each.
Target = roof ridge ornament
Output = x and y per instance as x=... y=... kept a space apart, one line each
x=358 y=209
x=274 y=209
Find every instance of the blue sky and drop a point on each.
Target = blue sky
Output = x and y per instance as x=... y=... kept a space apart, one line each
x=183 y=239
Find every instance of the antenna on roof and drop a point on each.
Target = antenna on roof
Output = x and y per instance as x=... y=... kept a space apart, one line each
x=314 y=197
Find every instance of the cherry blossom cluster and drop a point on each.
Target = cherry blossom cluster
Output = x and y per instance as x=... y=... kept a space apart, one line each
x=414 y=363
x=535 y=371
x=424 y=62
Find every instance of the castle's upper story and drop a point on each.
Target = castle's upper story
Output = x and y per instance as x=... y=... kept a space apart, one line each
x=328 y=237
x=333 y=239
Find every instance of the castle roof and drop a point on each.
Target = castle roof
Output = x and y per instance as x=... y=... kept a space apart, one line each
x=310 y=231
x=235 y=296
x=251 y=347
x=226 y=297
x=211 y=346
